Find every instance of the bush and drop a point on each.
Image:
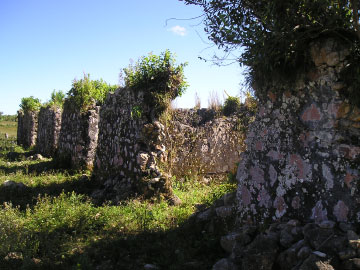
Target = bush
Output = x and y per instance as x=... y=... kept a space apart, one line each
x=159 y=77
x=30 y=104
x=273 y=37
x=231 y=105
x=85 y=92
x=57 y=98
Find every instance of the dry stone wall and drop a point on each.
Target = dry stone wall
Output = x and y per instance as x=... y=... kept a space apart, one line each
x=203 y=142
x=78 y=137
x=138 y=153
x=49 y=125
x=303 y=149
x=27 y=128
x=130 y=145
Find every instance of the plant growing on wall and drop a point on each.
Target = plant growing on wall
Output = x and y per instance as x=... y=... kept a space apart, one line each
x=274 y=35
x=57 y=98
x=159 y=77
x=86 y=92
x=30 y=104
x=231 y=105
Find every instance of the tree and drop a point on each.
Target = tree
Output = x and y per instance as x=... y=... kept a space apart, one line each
x=1 y=114
x=274 y=35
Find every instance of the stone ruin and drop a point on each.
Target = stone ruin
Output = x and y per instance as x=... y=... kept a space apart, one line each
x=203 y=143
x=78 y=137
x=130 y=146
x=133 y=144
x=49 y=125
x=297 y=204
x=137 y=153
x=303 y=149
x=27 y=128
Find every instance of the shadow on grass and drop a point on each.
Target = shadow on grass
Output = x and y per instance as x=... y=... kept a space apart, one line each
x=177 y=249
x=24 y=196
x=186 y=247
x=35 y=169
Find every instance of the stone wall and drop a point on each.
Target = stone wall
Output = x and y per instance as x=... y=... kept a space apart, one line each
x=78 y=137
x=137 y=152
x=49 y=125
x=130 y=144
x=303 y=150
x=27 y=128
x=203 y=142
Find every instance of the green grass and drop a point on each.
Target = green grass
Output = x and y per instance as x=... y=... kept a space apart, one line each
x=9 y=127
x=53 y=224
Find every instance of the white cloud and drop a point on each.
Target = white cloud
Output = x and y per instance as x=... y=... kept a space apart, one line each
x=178 y=30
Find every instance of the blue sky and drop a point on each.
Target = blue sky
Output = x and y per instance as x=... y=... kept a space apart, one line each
x=45 y=44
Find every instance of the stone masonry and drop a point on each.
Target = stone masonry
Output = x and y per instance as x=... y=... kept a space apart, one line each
x=201 y=142
x=130 y=145
x=78 y=137
x=49 y=125
x=303 y=149
x=27 y=128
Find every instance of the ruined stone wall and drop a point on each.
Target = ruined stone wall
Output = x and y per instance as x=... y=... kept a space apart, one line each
x=203 y=142
x=27 y=128
x=137 y=152
x=49 y=125
x=303 y=149
x=129 y=147
x=78 y=137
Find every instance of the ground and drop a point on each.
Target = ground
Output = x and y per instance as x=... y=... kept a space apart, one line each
x=49 y=221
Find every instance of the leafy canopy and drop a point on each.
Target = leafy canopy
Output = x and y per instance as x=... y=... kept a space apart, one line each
x=159 y=76
x=274 y=35
x=86 y=92
x=30 y=104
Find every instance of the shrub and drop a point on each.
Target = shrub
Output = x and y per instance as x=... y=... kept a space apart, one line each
x=30 y=104
x=273 y=37
x=231 y=105
x=159 y=77
x=57 y=98
x=85 y=92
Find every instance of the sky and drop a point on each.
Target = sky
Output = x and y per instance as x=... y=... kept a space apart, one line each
x=46 y=44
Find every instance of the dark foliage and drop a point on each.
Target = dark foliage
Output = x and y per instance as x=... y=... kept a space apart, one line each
x=274 y=35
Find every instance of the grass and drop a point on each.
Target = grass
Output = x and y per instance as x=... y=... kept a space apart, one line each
x=8 y=127
x=52 y=223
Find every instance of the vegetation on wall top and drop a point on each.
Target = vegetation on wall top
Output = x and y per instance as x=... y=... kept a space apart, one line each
x=57 y=98
x=30 y=104
x=274 y=35
x=86 y=92
x=160 y=78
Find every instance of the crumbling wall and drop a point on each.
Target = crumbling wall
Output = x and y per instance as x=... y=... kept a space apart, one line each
x=303 y=149
x=203 y=142
x=49 y=125
x=27 y=128
x=78 y=137
x=130 y=145
x=137 y=152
